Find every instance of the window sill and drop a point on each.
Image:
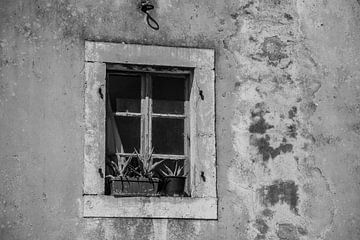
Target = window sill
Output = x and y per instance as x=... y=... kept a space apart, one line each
x=150 y=207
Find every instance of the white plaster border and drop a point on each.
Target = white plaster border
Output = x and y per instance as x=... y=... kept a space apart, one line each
x=203 y=201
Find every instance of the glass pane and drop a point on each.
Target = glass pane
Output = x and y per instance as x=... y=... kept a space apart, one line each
x=125 y=92
x=168 y=94
x=129 y=131
x=168 y=136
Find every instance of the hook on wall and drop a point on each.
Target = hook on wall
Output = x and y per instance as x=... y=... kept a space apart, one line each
x=146 y=6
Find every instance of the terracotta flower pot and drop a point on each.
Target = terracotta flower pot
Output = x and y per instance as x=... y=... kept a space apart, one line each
x=174 y=185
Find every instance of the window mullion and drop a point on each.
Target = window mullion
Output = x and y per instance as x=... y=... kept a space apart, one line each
x=149 y=112
x=143 y=114
x=187 y=132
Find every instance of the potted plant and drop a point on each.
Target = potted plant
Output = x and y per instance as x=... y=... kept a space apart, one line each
x=134 y=181
x=173 y=181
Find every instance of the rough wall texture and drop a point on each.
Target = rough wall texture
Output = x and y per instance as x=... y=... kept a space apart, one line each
x=288 y=108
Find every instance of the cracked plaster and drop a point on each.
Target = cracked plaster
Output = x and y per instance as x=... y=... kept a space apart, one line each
x=280 y=55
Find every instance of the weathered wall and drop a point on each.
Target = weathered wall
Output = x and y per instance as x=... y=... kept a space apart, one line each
x=288 y=115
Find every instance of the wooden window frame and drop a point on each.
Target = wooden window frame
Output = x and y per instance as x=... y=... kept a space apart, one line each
x=202 y=204
x=146 y=73
x=146 y=110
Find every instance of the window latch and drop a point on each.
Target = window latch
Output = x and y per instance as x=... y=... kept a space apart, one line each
x=146 y=6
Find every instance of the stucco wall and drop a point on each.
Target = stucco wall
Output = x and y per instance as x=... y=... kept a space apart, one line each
x=287 y=105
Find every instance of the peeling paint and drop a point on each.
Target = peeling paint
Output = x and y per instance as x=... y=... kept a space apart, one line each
x=287 y=231
x=273 y=49
x=268 y=213
x=280 y=192
x=261 y=225
x=267 y=151
x=259 y=124
x=292 y=131
x=287 y=95
x=292 y=112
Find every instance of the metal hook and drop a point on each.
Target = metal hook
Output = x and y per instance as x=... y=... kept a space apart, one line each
x=145 y=7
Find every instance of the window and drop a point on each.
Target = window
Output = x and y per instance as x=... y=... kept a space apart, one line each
x=148 y=112
x=162 y=98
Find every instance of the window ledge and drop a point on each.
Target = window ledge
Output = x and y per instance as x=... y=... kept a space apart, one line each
x=150 y=207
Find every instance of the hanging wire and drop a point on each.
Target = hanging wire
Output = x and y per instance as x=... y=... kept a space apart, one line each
x=145 y=7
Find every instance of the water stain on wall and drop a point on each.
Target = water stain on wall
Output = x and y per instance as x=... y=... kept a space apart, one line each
x=262 y=227
x=291 y=131
x=268 y=213
x=259 y=125
x=273 y=49
x=280 y=192
x=292 y=112
x=267 y=151
x=287 y=231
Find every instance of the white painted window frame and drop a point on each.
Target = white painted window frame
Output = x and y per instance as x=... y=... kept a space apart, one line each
x=203 y=201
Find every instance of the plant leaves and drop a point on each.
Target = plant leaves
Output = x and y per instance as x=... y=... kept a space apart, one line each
x=164 y=173
x=171 y=173
x=155 y=164
x=179 y=171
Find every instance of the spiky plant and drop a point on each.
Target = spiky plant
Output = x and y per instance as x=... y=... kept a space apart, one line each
x=146 y=163
x=175 y=173
x=121 y=168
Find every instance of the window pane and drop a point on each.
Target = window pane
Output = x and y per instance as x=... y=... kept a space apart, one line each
x=129 y=131
x=168 y=94
x=168 y=136
x=125 y=92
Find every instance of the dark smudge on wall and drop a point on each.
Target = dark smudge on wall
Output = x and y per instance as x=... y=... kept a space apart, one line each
x=280 y=192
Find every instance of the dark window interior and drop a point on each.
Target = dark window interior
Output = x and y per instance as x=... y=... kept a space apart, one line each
x=168 y=94
x=129 y=131
x=148 y=111
x=168 y=136
x=125 y=92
